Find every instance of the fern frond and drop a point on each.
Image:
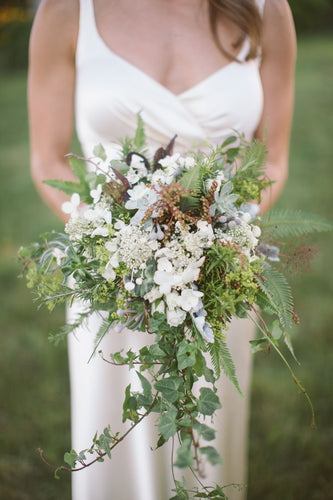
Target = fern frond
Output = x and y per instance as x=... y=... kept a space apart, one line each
x=254 y=158
x=221 y=358
x=276 y=288
x=140 y=135
x=191 y=179
x=282 y=223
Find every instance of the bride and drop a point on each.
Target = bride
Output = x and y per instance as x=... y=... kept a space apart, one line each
x=196 y=68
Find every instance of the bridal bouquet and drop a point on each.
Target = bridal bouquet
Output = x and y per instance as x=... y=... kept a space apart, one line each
x=171 y=245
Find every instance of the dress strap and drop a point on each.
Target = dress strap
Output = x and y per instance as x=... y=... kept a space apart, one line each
x=261 y=6
x=88 y=35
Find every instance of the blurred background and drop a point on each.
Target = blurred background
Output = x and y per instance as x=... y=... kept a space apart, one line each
x=288 y=460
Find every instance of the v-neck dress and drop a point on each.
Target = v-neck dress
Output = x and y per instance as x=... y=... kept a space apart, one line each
x=109 y=93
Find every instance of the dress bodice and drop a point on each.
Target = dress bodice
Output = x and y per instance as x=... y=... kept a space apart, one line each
x=110 y=92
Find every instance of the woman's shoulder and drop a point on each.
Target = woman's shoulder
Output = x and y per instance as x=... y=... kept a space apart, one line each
x=277 y=7
x=59 y=8
x=278 y=28
x=56 y=23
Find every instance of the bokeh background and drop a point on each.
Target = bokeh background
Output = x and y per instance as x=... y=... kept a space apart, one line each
x=288 y=460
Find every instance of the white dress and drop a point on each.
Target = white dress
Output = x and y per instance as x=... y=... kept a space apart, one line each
x=109 y=94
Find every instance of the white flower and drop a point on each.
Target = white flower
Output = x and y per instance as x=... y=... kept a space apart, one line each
x=163 y=264
x=219 y=179
x=189 y=299
x=256 y=231
x=187 y=162
x=165 y=280
x=246 y=217
x=100 y=231
x=98 y=213
x=156 y=233
x=199 y=318
x=153 y=295
x=129 y=285
x=161 y=177
x=71 y=207
x=108 y=272
x=160 y=307
x=192 y=272
x=175 y=316
x=172 y=300
x=137 y=169
x=96 y=193
x=59 y=255
x=169 y=163
x=140 y=196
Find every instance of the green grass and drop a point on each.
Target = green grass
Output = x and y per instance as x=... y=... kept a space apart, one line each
x=288 y=460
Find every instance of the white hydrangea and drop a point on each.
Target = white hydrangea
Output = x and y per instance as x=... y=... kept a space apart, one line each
x=72 y=206
x=186 y=162
x=244 y=235
x=137 y=169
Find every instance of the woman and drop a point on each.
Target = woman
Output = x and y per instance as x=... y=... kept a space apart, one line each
x=187 y=66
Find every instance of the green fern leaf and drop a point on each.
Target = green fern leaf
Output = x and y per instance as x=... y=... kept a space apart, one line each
x=191 y=179
x=221 y=358
x=282 y=223
x=276 y=288
x=78 y=168
x=67 y=187
x=254 y=158
x=140 y=136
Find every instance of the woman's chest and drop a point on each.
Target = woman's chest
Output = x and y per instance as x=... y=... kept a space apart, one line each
x=171 y=41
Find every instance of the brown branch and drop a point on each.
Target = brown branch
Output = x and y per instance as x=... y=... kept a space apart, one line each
x=128 y=363
x=100 y=454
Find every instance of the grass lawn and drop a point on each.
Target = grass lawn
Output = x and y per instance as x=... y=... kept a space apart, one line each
x=288 y=460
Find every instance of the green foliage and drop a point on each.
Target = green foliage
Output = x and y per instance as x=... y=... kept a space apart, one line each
x=186 y=354
x=138 y=143
x=312 y=16
x=184 y=454
x=221 y=358
x=82 y=187
x=169 y=388
x=99 y=151
x=140 y=136
x=191 y=180
x=212 y=456
x=283 y=223
x=14 y=43
x=248 y=180
x=276 y=288
x=167 y=426
x=208 y=401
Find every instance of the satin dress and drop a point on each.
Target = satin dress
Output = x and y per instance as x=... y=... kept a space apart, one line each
x=109 y=93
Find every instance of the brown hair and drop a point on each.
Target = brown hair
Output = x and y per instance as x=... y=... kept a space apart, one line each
x=243 y=13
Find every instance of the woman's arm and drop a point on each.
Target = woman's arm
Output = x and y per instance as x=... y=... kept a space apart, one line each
x=51 y=95
x=277 y=73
